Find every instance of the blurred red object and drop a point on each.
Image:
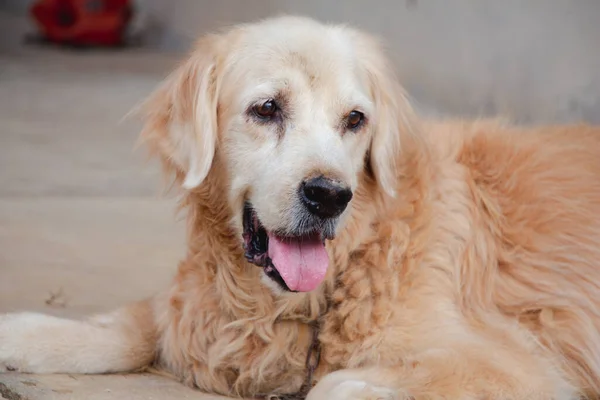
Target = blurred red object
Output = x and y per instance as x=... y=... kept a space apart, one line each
x=83 y=22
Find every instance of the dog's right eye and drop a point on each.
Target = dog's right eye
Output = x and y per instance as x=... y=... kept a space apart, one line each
x=266 y=110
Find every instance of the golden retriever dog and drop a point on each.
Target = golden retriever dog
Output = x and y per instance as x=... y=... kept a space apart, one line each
x=340 y=248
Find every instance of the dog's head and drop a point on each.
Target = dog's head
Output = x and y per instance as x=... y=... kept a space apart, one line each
x=294 y=110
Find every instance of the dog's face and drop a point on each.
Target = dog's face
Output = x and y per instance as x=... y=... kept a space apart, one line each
x=295 y=110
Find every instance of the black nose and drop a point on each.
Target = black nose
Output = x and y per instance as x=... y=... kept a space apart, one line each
x=324 y=198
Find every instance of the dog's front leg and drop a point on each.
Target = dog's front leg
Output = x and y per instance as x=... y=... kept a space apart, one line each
x=121 y=341
x=447 y=374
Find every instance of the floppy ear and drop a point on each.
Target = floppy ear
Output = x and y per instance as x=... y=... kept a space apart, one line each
x=180 y=117
x=394 y=120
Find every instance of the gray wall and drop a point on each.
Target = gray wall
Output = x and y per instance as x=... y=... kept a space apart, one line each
x=533 y=60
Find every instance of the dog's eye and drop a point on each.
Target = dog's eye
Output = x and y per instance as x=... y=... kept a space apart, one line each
x=354 y=120
x=266 y=110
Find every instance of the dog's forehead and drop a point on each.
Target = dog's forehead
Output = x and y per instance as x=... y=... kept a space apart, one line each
x=323 y=60
x=315 y=49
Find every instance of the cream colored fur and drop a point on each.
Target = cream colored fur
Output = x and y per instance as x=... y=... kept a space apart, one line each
x=467 y=265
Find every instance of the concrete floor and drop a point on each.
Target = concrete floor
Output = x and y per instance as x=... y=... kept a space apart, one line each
x=84 y=227
x=80 y=210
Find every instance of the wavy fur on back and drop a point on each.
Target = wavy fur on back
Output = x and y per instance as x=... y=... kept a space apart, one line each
x=479 y=280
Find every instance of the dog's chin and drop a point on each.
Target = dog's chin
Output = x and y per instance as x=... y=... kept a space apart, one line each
x=293 y=260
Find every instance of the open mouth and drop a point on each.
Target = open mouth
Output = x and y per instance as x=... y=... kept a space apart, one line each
x=296 y=263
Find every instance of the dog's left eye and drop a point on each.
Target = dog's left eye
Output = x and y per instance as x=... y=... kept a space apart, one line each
x=266 y=110
x=354 y=120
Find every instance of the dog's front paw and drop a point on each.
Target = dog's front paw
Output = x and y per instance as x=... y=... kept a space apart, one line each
x=12 y=342
x=354 y=390
x=19 y=335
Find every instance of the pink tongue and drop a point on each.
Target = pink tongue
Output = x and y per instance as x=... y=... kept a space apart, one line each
x=302 y=263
